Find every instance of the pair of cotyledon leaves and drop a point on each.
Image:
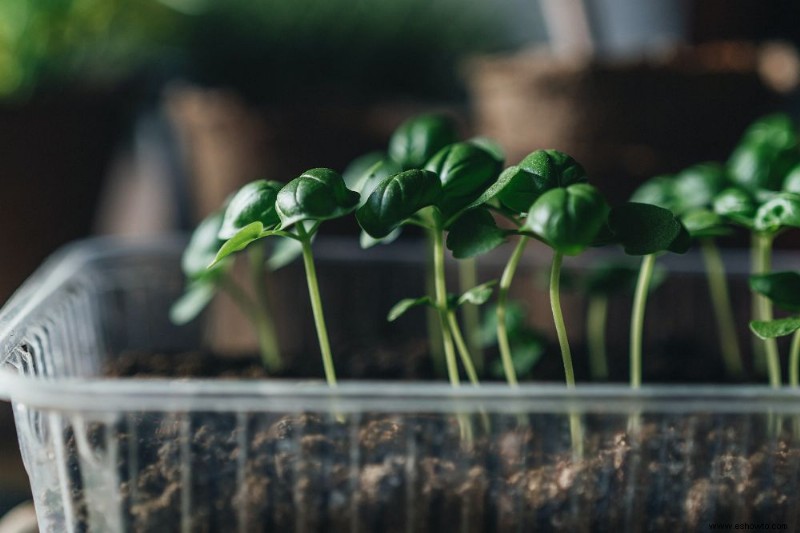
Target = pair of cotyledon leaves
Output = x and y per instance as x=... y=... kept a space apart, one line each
x=257 y=210
x=783 y=289
x=265 y=208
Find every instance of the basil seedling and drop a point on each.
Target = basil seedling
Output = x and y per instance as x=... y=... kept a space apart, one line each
x=204 y=282
x=783 y=289
x=568 y=220
x=768 y=150
x=690 y=195
x=294 y=212
x=431 y=198
x=645 y=230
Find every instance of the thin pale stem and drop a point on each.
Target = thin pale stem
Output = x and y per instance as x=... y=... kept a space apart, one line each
x=316 y=308
x=762 y=264
x=461 y=346
x=759 y=349
x=721 y=300
x=558 y=318
x=267 y=334
x=794 y=360
x=637 y=319
x=575 y=428
x=596 y=337
x=470 y=313
x=441 y=304
x=435 y=339
x=502 y=306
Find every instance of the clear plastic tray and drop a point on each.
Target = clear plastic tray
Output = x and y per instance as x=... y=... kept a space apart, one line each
x=201 y=455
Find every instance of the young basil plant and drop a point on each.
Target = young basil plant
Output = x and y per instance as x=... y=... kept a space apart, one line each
x=690 y=194
x=568 y=220
x=204 y=282
x=783 y=289
x=512 y=196
x=645 y=230
x=295 y=212
x=454 y=176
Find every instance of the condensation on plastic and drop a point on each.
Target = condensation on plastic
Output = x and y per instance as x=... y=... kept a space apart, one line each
x=86 y=440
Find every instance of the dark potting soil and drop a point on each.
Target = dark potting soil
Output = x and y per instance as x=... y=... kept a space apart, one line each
x=419 y=472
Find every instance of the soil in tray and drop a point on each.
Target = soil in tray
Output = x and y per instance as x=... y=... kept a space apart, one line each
x=309 y=472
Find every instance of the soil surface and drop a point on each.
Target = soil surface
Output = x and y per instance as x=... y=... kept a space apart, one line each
x=209 y=472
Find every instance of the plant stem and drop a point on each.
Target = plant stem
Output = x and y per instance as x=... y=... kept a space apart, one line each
x=435 y=339
x=267 y=335
x=762 y=265
x=468 y=278
x=637 y=319
x=794 y=360
x=575 y=428
x=502 y=304
x=759 y=350
x=441 y=304
x=463 y=351
x=558 y=318
x=721 y=300
x=316 y=307
x=596 y=337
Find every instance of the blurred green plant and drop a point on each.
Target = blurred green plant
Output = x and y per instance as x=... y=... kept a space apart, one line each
x=47 y=43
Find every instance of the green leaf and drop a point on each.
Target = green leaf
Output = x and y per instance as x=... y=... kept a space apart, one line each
x=775 y=328
x=404 y=305
x=682 y=242
x=505 y=180
x=357 y=171
x=783 y=288
x=417 y=139
x=568 y=219
x=736 y=205
x=248 y=234
x=536 y=174
x=491 y=146
x=474 y=233
x=781 y=211
x=284 y=251
x=465 y=171
x=526 y=352
x=366 y=241
x=702 y=223
x=317 y=194
x=254 y=202
x=373 y=176
x=658 y=191
x=479 y=294
x=192 y=302
x=202 y=248
x=645 y=229
x=697 y=186
x=396 y=199
x=792 y=181
x=763 y=163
